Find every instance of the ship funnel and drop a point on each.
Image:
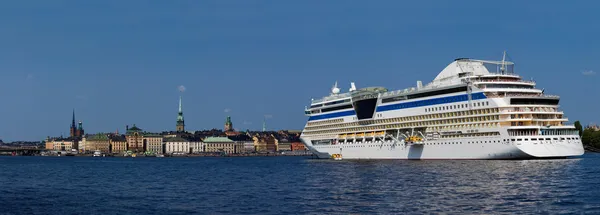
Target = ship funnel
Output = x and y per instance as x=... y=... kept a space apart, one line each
x=419 y=85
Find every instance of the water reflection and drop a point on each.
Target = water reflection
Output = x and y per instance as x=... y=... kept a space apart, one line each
x=457 y=186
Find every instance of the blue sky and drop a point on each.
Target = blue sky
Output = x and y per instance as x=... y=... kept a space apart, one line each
x=121 y=62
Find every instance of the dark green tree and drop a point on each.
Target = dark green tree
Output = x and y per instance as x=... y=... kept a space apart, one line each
x=579 y=128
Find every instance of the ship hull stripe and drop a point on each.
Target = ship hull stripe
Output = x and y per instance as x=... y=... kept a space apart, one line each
x=398 y=106
x=429 y=102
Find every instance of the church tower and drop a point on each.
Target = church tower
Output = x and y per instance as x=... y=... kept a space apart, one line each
x=180 y=127
x=228 y=124
x=76 y=130
x=73 y=129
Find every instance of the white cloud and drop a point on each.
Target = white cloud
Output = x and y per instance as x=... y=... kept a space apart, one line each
x=268 y=116
x=181 y=88
x=588 y=72
x=247 y=123
x=227 y=110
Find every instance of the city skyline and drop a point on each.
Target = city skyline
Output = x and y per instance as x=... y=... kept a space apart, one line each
x=124 y=62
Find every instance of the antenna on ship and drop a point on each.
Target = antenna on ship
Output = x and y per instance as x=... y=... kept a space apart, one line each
x=335 y=89
x=503 y=62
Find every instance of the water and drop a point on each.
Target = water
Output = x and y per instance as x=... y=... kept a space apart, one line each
x=296 y=185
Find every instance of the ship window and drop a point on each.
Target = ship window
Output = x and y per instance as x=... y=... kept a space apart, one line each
x=365 y=108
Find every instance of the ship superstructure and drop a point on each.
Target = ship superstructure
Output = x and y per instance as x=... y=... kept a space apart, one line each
x=473 y=109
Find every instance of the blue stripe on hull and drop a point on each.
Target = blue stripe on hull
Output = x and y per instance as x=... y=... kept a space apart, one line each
x=332 y=115
x=428 y=102
x=422 y=103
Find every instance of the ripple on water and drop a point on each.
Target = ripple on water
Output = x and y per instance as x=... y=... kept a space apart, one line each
x=296 y=185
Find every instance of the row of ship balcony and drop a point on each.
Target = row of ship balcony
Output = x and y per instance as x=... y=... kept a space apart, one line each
x=515 y=94
x=530 y=118
x=532 y=110
x=502 y=81
x=419 y=118
x=444 y=125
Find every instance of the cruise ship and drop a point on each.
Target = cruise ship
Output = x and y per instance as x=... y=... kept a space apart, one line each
x=473 y=109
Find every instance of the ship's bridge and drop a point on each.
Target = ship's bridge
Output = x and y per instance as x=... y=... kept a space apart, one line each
x=463 y=68
x=364 y=101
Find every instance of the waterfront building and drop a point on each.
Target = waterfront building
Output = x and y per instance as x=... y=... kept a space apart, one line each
x=284 y=146
x=153 y=143
x=297 y=146
x=196 y=146
x=95 y=142
x=177 y=145
x=49 y=145
x=135 y=139
x=180 y=124
x=62 y=144
x=222 y=144
x=248 y=146
x=265 y=142
x=118 y=144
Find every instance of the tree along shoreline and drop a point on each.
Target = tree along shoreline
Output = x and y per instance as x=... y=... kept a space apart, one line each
x=590 y=137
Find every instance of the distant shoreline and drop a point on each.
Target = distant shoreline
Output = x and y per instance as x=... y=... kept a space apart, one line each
x=188 y=155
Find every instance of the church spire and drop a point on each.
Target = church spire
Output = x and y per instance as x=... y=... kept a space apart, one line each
x=73 y=122
x=180 y=104
x=180 y=125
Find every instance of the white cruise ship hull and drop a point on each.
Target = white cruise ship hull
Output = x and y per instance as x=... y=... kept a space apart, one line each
x=466 y=112
x=457 y=149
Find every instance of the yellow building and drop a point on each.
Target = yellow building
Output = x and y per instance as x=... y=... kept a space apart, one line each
x=153 y=143
x=61 y=144
x=135 y=139
x=265 y=143
x=49 y=145
x=222 y=144
x=118 y=144
x=96 y=142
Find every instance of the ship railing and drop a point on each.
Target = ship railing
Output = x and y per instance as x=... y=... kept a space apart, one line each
x=331 y=97
x=502 y=95
x=501 y=80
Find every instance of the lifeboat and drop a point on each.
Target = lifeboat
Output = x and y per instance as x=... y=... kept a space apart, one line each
x=350 y=136
x=360 y=135
x=371 y=134
x=381 y=133
x=336 y=157
x=413 y=139
x=342 y=136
